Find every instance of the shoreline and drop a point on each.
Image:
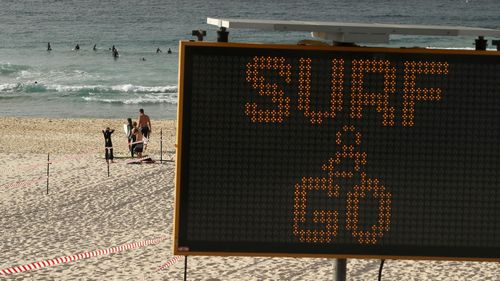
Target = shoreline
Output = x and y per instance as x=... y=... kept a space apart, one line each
x=76 y=135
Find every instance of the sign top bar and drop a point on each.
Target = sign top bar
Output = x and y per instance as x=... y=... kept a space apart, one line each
x=353 y=32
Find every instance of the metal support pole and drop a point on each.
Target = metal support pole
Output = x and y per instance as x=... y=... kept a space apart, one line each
x=161 y=146
x=340 y=269
x=185 y=267
x=48 y=174
x=380 y=269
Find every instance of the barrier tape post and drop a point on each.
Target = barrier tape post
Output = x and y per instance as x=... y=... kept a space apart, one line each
x=161 y=146
x=48 y=173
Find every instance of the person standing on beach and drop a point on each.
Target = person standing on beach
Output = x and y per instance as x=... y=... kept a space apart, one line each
x=145 y=126
x=131 y=136
x=139 y=141
x=144 y=123
x=108 y=145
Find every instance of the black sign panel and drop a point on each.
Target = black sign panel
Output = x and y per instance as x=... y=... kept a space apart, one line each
x=349 y=152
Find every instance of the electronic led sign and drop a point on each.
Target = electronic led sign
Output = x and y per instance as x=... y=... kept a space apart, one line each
x=291 y=150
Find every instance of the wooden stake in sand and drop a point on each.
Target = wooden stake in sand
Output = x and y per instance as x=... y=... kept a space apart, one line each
x=48 y=168
x=161 y=146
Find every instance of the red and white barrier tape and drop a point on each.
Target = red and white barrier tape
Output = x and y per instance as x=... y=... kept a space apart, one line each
x=44 y=164
x=23 y=183
x=80 y=256
x=169 y=263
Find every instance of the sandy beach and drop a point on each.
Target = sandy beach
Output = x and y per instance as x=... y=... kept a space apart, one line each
x=86 y=210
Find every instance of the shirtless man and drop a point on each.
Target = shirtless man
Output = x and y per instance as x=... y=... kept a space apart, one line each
x=144 y=123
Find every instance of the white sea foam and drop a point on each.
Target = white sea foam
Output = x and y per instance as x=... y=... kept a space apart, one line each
x=170 y=98
x=30 y=87
x=127 y=88
x=8 y=87
x=10 y=69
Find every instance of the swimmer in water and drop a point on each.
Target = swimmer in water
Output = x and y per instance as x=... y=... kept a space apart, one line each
x=169 y=51
x=49 y=48
x=115 y=53
x=158 y=50
x=95 y=47
x=143 y=59
x=77 y=47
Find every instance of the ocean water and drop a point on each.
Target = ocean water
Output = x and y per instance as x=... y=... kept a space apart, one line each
x=87 y=83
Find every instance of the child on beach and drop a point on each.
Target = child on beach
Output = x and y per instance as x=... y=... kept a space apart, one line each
x=130 y=136
x=108 y=145
x=139 y=146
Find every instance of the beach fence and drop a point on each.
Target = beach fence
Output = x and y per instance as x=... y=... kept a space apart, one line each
x=33 y=167
x=50 y=162
x=88 y=254
x=139 y=160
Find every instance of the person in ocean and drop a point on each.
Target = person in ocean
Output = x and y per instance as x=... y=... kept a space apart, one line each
x=169 y=51
x=130 y=136
x=95 y=47
x=77 y=47
x=49 y=48
x=115 y=52
x=158 y=50
x=143 y=59
x=108 y=144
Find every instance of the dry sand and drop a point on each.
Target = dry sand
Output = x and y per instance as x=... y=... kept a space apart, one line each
x=87 y=210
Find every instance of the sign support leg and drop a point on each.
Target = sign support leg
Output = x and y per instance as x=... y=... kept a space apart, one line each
x=340 y=270
x=185 y=267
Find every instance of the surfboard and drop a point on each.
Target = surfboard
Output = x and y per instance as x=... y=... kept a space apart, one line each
x=125 y=129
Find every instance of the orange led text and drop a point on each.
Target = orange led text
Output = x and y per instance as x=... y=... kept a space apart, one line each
x=361 y=99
